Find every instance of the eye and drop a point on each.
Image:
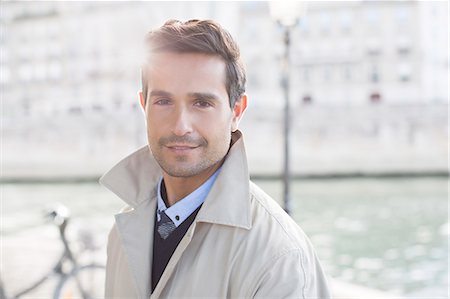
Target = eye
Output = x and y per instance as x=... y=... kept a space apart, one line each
x=162 y=102
x=203 y=104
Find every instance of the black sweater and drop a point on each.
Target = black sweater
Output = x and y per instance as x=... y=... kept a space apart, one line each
x=163 y=249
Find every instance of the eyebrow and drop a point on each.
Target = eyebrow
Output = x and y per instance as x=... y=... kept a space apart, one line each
x=201 y=95
x=204 y=96
x=159 y=93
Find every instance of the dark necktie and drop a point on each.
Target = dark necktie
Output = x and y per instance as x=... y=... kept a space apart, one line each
x=165 y=225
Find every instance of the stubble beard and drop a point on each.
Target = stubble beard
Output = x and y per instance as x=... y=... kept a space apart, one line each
x=182 y=167
x=185 y=171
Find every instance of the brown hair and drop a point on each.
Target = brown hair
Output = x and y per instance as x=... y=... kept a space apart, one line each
x=200 y=36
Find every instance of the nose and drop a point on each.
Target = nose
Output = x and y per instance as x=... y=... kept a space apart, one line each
x=182 y=122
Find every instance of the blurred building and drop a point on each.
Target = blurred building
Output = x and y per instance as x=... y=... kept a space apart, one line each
x=369 y=51
x=76 y=57
x=84 y=56
x=70 y=72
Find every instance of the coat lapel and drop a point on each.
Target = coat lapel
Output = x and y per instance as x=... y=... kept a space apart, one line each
x=173 y=262
x=136 y=232
x=228 y=200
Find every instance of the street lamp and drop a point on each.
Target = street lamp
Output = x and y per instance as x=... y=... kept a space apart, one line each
x=287 y=14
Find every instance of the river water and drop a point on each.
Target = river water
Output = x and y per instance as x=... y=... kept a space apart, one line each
x=388 y=234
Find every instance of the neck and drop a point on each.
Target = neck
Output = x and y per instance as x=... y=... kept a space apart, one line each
x=178 y=188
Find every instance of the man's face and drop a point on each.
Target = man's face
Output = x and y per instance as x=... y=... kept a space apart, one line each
x=189 y=119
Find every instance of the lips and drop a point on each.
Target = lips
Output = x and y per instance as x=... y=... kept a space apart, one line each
x=181 y=148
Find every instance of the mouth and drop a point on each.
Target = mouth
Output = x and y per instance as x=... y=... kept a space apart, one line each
x=181 y=148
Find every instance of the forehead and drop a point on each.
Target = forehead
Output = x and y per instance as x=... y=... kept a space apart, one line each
x=186 y=72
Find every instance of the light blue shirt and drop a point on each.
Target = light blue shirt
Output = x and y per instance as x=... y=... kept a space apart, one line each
x=183 y=208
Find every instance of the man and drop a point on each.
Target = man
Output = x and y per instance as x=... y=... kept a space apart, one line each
x=195 y=226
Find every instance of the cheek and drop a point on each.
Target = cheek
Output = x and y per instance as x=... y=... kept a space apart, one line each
x=218 y=135
x=156 y=121
x=215 y=125
x=154 y=131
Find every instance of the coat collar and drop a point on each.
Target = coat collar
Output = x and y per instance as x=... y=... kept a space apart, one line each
x=228 y=202
x=135 y=179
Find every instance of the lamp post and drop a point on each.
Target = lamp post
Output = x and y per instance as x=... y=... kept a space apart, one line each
x=287 y=15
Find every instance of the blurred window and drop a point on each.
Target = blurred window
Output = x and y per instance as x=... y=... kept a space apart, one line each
x=434 y=9
x=375 y=97
x=39 y=30
x=403 y=46
x=372 y=16
x=307 y=99
x=374 y=74
x=117 y=101
x=25 y=105
x=324 y=22
x=54 y=70
x=53 y=31
x=327 y=73
x=40 y=72
x=401 y=14
x=306 y=74
x=403 y=50
x=39 y=51
x=97 y=108
x=54 y=49
x=75 y=110
x=24 y=53
x=404 y=72
x=347 y=72
x=373 y=47
x=25 y=72
x=303 y=26
x=346 y=20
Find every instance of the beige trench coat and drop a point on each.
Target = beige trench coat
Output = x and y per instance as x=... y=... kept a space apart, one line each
x=241 y=244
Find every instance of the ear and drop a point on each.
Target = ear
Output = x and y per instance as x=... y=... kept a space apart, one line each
x=238 y=112
x=142 y=100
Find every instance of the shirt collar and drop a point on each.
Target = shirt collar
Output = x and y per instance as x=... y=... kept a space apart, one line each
x=183 y=208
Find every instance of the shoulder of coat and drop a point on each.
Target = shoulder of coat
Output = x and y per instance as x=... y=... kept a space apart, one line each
x=267 y=214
